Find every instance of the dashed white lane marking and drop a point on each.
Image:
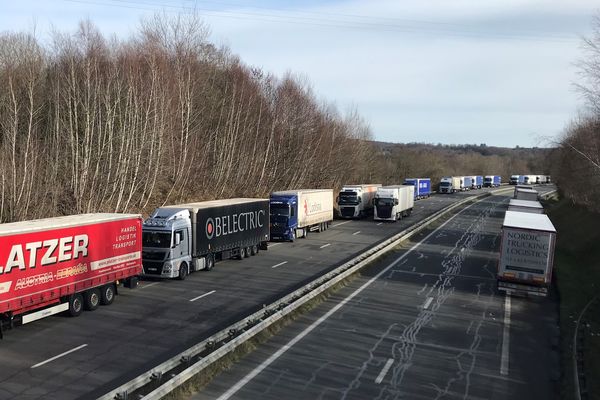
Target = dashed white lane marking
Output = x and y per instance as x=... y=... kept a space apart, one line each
x=280 y=264
x=149 y=285
x=427 y=303
x=203 y=295
x=274 y=244
x=379 y=223
x=325 y=245
x=505 y=337
x=59 y=356
x=251 y=375
x=384 y=371
x=341 y=223
x=356 y=233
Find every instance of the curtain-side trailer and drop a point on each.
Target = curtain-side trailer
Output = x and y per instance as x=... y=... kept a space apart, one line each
x=422 y=187
x=68 y=263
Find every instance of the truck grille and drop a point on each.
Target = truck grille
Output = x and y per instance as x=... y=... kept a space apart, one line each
x=384 y=212
x=347 y=211
x=152 y=267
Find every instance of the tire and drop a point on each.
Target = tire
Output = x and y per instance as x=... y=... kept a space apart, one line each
x=75 y=305
x=254 y=250
x=91 y=299
x=183 y=272
x=209 y=262
x=107 y=294
x=242 y=254
x=248 y=251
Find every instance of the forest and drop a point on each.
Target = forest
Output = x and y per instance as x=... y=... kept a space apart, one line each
x=96 y=124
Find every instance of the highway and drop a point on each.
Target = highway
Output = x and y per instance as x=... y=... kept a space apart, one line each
x=426 y=322
x=84 y=357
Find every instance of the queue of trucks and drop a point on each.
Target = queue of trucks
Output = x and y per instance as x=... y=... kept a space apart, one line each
x=530 y=179
x=82 y=259
x=527 y=246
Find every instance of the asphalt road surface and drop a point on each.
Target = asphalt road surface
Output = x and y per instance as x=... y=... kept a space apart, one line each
x=427 y=322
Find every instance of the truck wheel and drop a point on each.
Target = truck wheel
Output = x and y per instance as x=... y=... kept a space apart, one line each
x=91 y=299
x=107 y=294
x=209 y=262
x=248 y=251
x=242 y=254
x=183 y=272
x=254 y=250
x=75 y=305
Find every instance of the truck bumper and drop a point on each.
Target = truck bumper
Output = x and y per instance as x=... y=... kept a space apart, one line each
x=523 y=289
x=166 y=271
x=287 y=235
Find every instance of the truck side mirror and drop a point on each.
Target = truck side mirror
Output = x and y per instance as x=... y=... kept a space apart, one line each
x=177 y=238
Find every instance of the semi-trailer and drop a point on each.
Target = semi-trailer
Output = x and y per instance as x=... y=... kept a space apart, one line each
x=526 y=253
x=476 y=182
x=516 y=179
x=422 y=187
x=296 y=212
x=356 y=201
x=66 y=264
x=526 y=194
x=529 y=179
x=525 y=206
x=492 y=181
x=183 y=238
x=394 y=202
x=467 y=182
x=450 y=184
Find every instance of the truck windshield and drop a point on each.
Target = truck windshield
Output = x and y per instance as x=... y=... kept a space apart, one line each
x=156 y=239
x=348 y=198
x=280 y=210
x=384 y=202
x=488 y=179
x=444 y=184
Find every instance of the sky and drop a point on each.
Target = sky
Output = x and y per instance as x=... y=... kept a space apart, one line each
x=499 y=72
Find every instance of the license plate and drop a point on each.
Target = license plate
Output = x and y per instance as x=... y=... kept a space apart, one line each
x=151 y=269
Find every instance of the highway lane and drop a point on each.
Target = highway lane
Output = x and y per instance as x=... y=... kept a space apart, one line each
x=102 y=349
x=430 y=325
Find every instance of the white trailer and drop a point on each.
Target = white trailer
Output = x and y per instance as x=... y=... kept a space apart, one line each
x=530 y=179
x=520 y=187
x=525 y=206
x=526 y=253
x=296 y=212
x=356 y=201
x=527 y=194
x=394 y=202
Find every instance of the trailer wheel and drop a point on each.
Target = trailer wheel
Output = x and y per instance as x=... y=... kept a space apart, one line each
x=254 y=250
x=107 y=294
x=242 y=254
x=209 y=262
x=183 y=271
x=91 y=299
x=75 y=305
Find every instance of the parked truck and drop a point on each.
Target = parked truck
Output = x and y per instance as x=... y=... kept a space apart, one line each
x=476 y=182
x=66 y=264
x=356 y=201
x=450 y=184
x=492 y=181
x=394 y=202
x=294 y=213
x=526 y=194
x=183 y=238
x=467 y=182
x=516 y=179
x=422 y=187
x=525 y=206
x=529 y=179
x=526 y=253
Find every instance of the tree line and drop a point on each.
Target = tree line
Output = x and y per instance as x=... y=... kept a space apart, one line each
x=92 y=124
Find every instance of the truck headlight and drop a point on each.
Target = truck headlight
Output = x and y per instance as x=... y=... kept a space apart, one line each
x=167 y=267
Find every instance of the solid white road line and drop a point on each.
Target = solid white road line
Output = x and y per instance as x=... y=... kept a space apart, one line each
x=381 y=223
x=505 y=336
x=384 y=371
x=325 y=245
x=59 y=356
x=279 y=265
x=341 y=223
x=149 y=285
x=252 y=374
x=356 y=233
x=427 y=303
x=203 y=295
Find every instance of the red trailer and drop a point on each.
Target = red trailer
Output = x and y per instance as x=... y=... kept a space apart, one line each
x=52 y=265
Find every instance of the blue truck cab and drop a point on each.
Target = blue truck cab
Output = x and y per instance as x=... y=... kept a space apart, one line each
x=284 y=216
x=422 y=186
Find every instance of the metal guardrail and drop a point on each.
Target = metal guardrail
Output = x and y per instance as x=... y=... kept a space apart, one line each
x=192 y=361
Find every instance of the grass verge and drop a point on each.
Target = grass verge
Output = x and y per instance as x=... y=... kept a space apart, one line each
x=577 y=271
